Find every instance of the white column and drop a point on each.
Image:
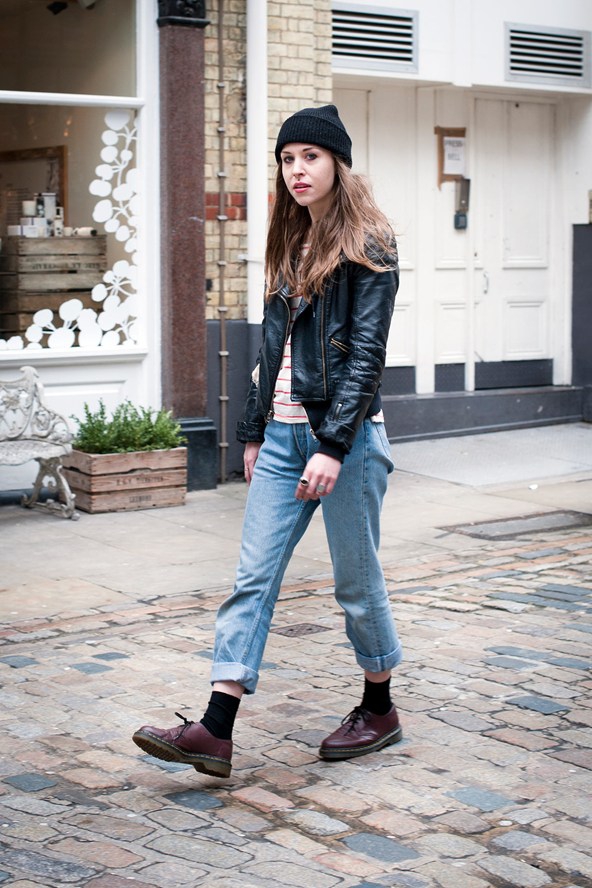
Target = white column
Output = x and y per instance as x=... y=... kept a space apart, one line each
x=470 y=281
x=148 y=164
x=462 y=36
x=257 y=155
x=426 y=277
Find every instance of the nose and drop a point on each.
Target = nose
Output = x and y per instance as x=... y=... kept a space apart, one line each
x=298 y=167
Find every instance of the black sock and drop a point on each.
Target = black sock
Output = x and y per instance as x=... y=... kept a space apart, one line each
x=377 y=696
x=220 y=715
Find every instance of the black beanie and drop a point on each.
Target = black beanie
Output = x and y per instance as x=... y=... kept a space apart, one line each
x=316 y=126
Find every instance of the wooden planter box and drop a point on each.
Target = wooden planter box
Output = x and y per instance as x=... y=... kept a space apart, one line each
x=113 y=482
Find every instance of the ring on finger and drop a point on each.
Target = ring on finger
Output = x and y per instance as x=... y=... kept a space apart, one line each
x=304 y=482
x=321 y=488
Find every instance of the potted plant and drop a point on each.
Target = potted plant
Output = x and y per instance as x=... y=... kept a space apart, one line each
x=134 y=459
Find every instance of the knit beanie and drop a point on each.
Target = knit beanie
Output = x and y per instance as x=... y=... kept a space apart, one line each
x=316 y=126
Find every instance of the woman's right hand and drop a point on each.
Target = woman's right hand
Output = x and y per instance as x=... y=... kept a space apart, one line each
x=250 y=455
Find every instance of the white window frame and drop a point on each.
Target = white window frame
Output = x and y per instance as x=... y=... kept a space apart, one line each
x=148 y=165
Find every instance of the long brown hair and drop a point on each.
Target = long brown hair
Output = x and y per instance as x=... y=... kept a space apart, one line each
x=352 y=222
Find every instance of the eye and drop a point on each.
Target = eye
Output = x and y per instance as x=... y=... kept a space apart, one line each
x=287 y=158
x=311 y=155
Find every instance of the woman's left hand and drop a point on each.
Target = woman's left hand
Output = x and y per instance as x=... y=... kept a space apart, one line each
x=321 y=472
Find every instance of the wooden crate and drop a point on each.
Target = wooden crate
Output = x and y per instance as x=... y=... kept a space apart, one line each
x=48 y=264
x=113 y=482
x=54 y=246
x=44 y=272
x=48 y=281
x=17 y=309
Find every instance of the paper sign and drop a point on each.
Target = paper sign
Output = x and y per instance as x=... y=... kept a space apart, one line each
x=454 y=156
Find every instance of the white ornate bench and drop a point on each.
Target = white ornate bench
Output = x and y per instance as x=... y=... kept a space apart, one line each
x=29 y=429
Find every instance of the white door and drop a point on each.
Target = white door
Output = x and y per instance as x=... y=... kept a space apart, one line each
x=381 y=123
x=512 y=213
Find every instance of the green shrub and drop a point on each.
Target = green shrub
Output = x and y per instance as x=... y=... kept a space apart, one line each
x=129 y=429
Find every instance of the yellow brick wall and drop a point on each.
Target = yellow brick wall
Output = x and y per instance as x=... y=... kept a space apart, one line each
x=299 y=75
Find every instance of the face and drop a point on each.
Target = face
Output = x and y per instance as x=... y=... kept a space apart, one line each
x=309 y=174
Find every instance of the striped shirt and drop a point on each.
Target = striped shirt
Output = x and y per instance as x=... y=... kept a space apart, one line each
x=284 y=409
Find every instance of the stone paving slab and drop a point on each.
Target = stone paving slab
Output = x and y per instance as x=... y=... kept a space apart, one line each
x=107 y=622
x=490 y=787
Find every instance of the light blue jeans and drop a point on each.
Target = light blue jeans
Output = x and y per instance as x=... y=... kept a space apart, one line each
x=274 y=523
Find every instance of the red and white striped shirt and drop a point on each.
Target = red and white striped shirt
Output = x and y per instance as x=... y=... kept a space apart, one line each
x=284 y=409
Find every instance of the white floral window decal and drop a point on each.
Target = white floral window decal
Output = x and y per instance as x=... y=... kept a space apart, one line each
x=113 y=322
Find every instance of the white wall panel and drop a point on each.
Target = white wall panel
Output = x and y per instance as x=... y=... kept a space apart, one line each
x=451 y=244
x=381 y=123
x=525 y=324
x=451 y=334
x=391 y=162
x=70 y=382
x=527 y=186
x=401 y=344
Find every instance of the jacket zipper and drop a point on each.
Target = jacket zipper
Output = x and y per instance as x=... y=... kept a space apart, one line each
x=323 y=356
x=339 y=345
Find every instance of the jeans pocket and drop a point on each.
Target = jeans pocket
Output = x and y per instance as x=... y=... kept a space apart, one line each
x=384 y=444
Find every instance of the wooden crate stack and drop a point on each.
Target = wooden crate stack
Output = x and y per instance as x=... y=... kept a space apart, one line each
x=45 y=272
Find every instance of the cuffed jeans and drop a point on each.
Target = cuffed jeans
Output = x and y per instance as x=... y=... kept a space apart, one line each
x=274 y=523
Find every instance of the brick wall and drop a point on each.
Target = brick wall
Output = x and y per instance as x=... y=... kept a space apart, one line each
x=299 y=69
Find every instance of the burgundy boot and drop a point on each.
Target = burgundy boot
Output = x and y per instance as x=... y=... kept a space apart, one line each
x=189 y=743
x=361 y=732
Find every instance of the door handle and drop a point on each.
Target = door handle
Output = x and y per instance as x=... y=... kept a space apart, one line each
x=485 y=282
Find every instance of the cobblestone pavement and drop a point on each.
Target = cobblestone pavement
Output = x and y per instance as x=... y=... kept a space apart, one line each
x=490 y=787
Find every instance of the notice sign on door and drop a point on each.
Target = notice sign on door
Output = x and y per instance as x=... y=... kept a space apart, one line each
x=454 y=156
x=452 y=145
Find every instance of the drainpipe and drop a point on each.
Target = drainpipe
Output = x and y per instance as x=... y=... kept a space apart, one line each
x=257 y=164
x=222 y=219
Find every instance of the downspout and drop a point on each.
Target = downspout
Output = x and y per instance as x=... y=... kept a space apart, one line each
x=222 y=219
x=257 y=159
x=470 y=279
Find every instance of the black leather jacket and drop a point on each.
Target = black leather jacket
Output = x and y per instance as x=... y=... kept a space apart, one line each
x=338 y=355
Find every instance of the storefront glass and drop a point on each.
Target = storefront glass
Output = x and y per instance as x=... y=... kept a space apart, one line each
x=69 y=204
x=68 y=275
x=72 y=46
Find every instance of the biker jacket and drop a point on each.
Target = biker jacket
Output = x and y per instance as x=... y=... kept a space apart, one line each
x=338 y=354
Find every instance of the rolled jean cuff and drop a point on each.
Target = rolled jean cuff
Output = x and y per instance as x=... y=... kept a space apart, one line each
x=380 y=664
x=235 y=672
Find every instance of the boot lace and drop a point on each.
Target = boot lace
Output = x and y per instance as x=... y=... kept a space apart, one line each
x=187 y=724
x=356 y=715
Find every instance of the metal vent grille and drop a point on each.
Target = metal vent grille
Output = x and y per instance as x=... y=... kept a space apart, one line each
x=373 y=37
x=548 y=56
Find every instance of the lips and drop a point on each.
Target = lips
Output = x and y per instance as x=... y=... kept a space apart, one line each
x=301 y=187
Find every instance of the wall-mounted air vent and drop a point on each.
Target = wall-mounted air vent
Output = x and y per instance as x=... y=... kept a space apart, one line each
x=374 y=37
x=548 y=55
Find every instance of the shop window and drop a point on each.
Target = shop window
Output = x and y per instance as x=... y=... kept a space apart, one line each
x=69 y=205
x=69 y=219
x=70 y=47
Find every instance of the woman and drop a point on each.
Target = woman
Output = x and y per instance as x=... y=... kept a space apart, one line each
x=313 y=433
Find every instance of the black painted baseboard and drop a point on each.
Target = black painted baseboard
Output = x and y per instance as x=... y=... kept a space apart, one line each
x=409 y=418
x=496 y=375
x=202 y=452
